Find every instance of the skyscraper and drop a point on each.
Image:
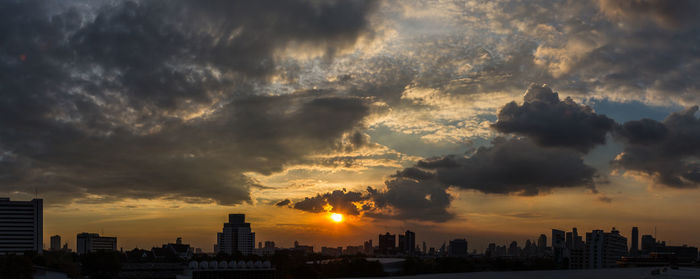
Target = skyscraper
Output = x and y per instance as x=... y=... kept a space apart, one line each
x=55 y=243
x=387 y=243
x=407 y=242
x=236 y=236
x=634 y=249
x=558 y=242
x=22 y=226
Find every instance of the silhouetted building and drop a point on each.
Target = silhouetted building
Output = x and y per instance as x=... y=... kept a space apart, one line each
x=55 y=242
x=634 y=247
x=649 y=244
x=22 y=226
x=458 y=248
x=603 y=250
x=513 y=249
x=490 y=250
x=306 y=249
x=542 y=244
x=558 y=245
x=331 y=251
x=387 y=243
x=369 y=249
x=407 y=242
x=530 y=249
x=269 y=248
x=354 y=250
x=574 y=253
x=92 y=242
x=236 y=236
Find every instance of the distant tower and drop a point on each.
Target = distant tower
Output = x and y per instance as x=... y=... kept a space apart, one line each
x=55 y=243
x=634 y=249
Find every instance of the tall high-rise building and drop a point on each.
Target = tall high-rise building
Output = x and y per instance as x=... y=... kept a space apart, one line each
x=21 y=226
x=575 y=250
x=387 y=243
x=407 y=242
x=603 y=250
x=541 y=244
x=92 y=242
x=236 y=236
x=634 y=249
x=558 y=245
x=458 y=248
x=55 y=243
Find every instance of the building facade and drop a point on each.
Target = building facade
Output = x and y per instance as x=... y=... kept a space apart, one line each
x=21 y=226
x=634 y=249
x=407 y=242
x=558 y=245
x=387 y=243
x=458 y=248
x=55 y=242
x=92 y=242
x=603 y=250
x=236 y=236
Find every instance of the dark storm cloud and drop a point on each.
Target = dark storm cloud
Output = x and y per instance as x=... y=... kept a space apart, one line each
x=509 y=166
x=669 y=151
x=514 y=166
x=159 y=98
x=551 y=122
x=407 y=198
x=341 y=201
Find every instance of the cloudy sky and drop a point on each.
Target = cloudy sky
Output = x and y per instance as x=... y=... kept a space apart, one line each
x=490 y=120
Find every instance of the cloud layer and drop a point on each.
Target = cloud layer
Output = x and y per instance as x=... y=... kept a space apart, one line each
x=165 y=99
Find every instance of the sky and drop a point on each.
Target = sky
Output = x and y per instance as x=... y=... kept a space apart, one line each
x=487 y=120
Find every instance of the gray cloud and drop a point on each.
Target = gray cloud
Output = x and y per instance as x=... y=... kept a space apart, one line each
x=162 y=98
x=513 y=166
x=407 y=198
x=551 y=122
x=668 y=151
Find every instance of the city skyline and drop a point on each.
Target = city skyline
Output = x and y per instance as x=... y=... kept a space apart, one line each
x=492 y=121
x=236 y=221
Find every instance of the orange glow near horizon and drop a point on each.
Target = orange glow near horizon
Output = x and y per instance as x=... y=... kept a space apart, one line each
x=337 y=217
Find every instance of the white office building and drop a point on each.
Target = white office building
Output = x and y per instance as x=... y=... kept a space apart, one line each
x=236 y=236
x=21 y=226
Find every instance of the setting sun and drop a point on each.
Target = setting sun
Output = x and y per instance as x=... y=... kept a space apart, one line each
x=337 y=217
